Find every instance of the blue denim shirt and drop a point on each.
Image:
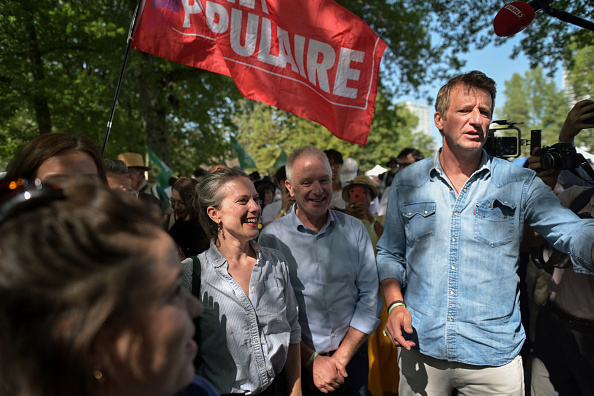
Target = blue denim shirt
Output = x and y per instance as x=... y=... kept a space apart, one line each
x=456 y=257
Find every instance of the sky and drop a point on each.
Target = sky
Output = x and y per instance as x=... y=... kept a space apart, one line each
x=496 y=63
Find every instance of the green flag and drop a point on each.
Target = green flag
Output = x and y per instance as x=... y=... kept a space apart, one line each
x=160 y=170
x=245 y=161
x=281 y=160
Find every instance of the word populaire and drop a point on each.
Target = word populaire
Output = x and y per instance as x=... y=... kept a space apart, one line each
x=314 y=60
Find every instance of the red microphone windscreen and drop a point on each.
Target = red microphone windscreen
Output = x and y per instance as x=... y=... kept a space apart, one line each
x=513 y=18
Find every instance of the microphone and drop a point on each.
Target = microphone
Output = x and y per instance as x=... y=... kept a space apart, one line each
x=516 y=16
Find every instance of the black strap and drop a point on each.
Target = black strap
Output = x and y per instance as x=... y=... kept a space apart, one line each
x=196 y=272
x=581 y=200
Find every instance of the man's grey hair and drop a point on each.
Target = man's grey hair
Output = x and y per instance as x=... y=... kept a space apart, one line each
x=305 y=151
x=115 y=166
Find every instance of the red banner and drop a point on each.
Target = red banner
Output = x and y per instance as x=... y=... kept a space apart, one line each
x=312 y=58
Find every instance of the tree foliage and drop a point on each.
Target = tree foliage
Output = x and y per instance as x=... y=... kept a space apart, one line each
x=60 y=63
x=535 y=100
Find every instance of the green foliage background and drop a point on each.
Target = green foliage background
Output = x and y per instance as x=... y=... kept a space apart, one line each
x=60 y=61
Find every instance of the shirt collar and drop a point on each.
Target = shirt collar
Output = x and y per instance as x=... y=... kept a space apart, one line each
x=298 y=224
x=485 y=164
x=215 y=257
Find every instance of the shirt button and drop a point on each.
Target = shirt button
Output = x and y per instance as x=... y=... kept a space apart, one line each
x=453 y=239
x=451 y=292
x=453 y=267
x=251 y=314
x=451 y=319
x=333 y=335
x=253 y=287
x=464 y=190
x=255 y=340
x=261 y=365
x=455 y=213
x=426 y=212
x=484 y=216
x=409 y=213
x=505 y=216
x=322 y=259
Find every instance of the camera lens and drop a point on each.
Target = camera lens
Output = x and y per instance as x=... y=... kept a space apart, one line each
x=547 y=161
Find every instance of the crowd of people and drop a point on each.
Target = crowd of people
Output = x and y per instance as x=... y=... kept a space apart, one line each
x=319 y=281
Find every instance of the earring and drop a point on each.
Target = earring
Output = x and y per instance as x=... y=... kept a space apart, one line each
x=220 y=229
x=98 y=375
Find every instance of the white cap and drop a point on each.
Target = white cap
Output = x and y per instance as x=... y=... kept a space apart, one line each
x=349 y=170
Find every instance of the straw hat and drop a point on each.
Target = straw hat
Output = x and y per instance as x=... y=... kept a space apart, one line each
x=133 y=160
x=360 y=180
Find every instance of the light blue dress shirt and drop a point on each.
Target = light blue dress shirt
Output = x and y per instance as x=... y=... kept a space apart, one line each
x=245 y=338
x=457 y=257
x=333 y=273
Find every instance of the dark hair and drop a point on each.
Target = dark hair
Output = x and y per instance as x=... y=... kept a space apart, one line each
x=210 y=192
x=186 y=187
x=115 y=166
x=29 y=158
x=334 y=155
x=280 y=176
x=473 y=79
x=73 y=273
x=417 y=155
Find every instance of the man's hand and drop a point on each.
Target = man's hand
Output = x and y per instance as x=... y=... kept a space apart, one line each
x=399 y=318
x=549 y=176
x=574 y=122
x=328 y=373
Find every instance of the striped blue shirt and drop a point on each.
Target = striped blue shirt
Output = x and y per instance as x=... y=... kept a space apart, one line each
x=245 y=338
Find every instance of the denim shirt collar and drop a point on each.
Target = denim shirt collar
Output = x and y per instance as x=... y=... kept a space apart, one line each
x=484 y=165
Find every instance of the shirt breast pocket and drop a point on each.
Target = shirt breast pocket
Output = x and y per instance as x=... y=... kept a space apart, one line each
x=494 y=222
x=419 y=220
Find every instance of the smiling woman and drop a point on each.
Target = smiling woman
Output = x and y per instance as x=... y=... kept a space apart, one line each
x=91 y=296
x=249 y=332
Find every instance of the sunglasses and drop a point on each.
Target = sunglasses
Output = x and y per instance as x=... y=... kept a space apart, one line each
x=20 y=195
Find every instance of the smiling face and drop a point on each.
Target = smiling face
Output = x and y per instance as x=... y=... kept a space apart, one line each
x=181 y=210
x=465 y=124
x=312 y=189
x=239 y=211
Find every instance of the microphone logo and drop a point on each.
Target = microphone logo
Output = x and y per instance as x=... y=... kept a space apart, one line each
x=514 y=10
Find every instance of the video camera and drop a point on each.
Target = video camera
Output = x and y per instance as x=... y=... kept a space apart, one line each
x=504 y=139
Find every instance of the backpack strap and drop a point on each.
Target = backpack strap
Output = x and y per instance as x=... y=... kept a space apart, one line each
x=196 y=272
x=581 y=200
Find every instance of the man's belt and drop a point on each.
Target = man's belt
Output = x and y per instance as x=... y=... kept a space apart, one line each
x=579 y=324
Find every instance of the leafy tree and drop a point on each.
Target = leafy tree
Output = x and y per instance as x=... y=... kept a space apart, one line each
x=265 y=131
x=580 y=79
x=60 y=62
x=535 y=100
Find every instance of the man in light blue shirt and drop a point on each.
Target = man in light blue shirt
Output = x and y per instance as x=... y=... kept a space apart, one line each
x=334 y=275
x=449 y=253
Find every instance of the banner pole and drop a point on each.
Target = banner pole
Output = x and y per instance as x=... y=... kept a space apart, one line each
x=120 y=78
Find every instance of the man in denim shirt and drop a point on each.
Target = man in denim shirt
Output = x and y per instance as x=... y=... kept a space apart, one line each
x=451 y=245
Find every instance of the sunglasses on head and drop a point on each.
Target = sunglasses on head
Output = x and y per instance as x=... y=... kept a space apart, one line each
x=20 y=195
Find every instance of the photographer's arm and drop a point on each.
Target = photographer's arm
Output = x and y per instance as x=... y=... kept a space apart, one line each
x=574 y=122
